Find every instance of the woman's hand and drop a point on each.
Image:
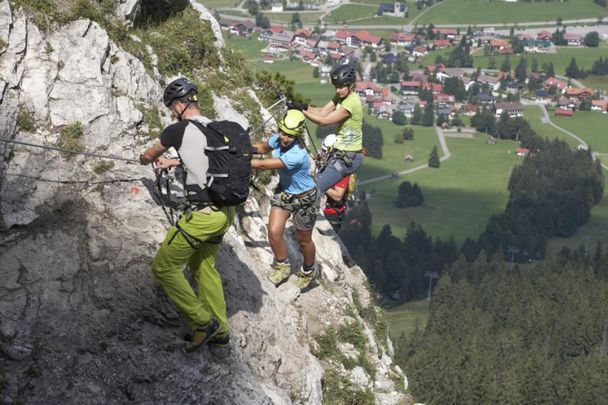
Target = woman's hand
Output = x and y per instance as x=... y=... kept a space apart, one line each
x=164 y=163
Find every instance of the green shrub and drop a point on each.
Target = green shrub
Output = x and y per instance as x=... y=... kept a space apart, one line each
x=352 y=332
x=328 y=344
x=69 y=139
x=366 y=364
x=338 y=390
x=25 y=121
x=183 y=43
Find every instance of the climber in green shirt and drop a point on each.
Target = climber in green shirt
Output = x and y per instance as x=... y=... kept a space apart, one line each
x=346 y=111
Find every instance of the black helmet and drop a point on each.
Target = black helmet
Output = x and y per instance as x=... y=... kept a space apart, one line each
x=178 y=88
x=343 y=75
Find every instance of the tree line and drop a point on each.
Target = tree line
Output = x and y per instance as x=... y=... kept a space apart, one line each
x=509 y=335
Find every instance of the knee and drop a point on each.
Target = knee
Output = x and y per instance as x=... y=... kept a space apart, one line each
x=275 y=233
x=304 y=239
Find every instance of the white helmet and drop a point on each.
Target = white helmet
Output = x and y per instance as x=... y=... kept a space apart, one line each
x=329 y=141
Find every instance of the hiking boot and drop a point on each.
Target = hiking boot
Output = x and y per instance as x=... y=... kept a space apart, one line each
x=202 y=334
x=305 y=278
x=280 y=273
x=220 y=341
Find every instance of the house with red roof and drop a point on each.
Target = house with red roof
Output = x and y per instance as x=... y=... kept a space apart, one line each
x=366 y=38
x=401 y=38
x=579 y=93
x=441 y=43
x=496 y=44
x=599 y=105
x=563 y=112
x=557 y=83
x=342 y=36
x=505 y=51
x=544 y=36
x=449 y=33
x=434 y=88
x=410 y=87
x=420 y=51
x=573 y=39
x=522 y=152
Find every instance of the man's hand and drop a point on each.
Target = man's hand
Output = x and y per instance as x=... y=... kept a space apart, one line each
x=292 y=105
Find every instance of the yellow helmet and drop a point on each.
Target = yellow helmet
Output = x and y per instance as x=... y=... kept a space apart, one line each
x=292 y=123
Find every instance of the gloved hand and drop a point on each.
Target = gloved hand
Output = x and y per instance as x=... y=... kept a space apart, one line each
x=292 y=105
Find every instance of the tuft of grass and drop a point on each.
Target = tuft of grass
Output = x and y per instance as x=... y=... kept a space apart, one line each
x=103 y=167
x=366 y=363
x=195 y=37
x=352 y=332
x=375 y=317
x=2 y=43
x=25 y=121
x=69 y=139
x=338 y=390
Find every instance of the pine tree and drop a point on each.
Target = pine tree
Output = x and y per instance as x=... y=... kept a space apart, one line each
x=434 y=160
x=417 y=115
x=428 y=116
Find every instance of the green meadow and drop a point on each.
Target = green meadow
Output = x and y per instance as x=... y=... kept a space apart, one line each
x=589 y=125
x=212 y=4
x=250 y=47
x=533 y=115
x=489 y=12
x=286 y=16
x=406 y=317
x=460 y=196
x=393 y=153
x=350 y=12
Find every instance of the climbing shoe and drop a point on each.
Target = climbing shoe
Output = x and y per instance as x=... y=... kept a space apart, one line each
x=305 y=278
x=220 y=341
x=280 y=273
x=202 y=334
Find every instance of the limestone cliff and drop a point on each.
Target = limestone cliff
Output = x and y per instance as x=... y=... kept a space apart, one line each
x=81 y=320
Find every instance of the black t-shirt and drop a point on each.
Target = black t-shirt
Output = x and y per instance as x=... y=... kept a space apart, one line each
x=173 y=135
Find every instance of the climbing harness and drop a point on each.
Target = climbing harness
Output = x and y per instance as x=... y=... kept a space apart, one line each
x=296 y=202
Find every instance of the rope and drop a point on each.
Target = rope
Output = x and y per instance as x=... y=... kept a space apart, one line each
x=75 y=181
x=34 y=145
x=282 y=99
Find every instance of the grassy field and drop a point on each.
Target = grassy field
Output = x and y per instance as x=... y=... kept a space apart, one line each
x=589 y=125
x=393 y=153
x=350 y=12
x=584 y=58
x=489 y=12
x=285 y=17
x=228 y=13
x=459 y=197
x=406 y=317
x=211 y=4
x=533 y=115
x=250 y=48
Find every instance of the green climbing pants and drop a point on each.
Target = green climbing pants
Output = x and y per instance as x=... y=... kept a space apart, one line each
x=207 y=226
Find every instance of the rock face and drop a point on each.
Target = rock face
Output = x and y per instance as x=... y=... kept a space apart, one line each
x=81 y=320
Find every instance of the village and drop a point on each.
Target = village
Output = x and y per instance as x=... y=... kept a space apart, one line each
x=390 y=89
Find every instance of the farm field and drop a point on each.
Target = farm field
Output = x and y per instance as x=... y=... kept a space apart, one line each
x=350 y=12
x=405 y=317
x=589 y=125
x=212 y=4
x=420 y=148
x=459 y=197
x=533 y=115
x=250 y=48
x=285 y=17
x=489 y=12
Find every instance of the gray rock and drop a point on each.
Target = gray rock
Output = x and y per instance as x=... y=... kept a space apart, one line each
x=6 y=19
x=81 y=314
x=215 y=26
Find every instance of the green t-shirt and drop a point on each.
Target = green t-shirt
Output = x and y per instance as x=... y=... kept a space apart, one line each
x=350 y=131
